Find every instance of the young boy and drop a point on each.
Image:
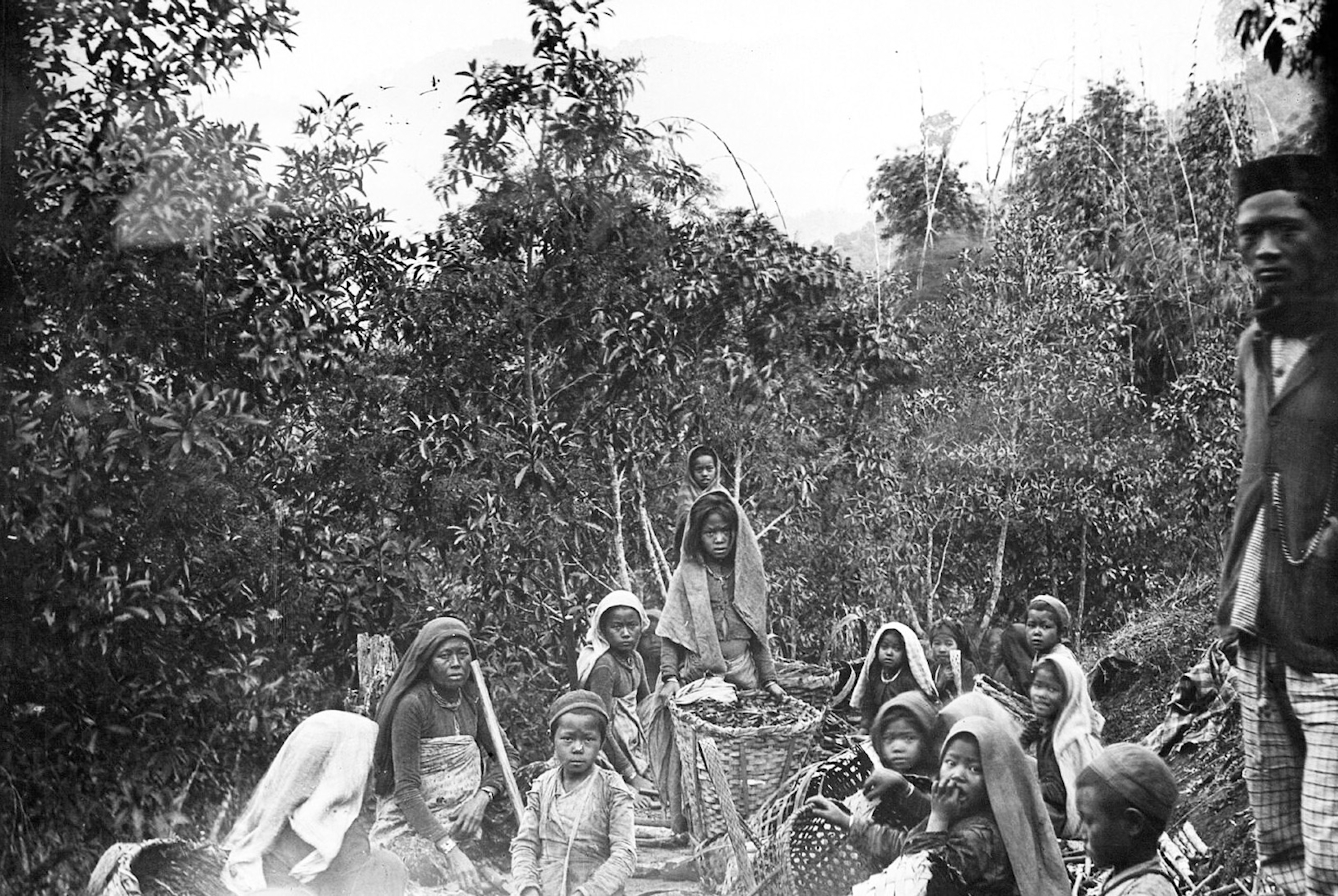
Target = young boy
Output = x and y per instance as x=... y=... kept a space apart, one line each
x=1023 y=646
x=1125 y=797
x=577 y=835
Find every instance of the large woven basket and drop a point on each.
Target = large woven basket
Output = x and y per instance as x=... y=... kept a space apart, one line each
x=729 y=772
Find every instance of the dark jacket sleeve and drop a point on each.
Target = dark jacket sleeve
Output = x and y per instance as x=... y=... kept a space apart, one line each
x=406 y=745
x=492 y=768
x=973 y=847
x=672 y=656
x=766 y=662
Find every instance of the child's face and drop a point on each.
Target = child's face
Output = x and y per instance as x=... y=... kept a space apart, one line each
x=891 y=651
x=576 y=743
x=1047 y=693
x=941 y=647
x=900 y=745
x=961 y=768
x=1110 y=838
x=1042 y=631
x=717 y=537
x=621 y=627
x=703 y=470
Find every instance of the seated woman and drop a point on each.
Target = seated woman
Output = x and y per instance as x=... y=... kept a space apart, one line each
x=714 y=620
x=436 y=766
x=305 y=828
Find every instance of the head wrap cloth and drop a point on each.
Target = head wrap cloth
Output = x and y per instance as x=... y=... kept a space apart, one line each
x=595 y=644
x=316 y=784
x=412 y=668
x=915 y=660
x=687 y=619
x=1310 y=177
x=1140 y=776
x=1017 y=807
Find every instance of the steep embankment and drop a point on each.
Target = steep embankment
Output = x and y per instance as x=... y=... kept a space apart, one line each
x=1165 y=640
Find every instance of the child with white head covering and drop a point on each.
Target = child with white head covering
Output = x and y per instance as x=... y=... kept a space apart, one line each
x=610 y=666
x=895 y=664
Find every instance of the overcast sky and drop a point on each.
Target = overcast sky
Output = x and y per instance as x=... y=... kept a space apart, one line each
x=807 y=96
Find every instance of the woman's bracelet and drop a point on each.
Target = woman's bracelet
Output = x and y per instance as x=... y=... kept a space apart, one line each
x=450 y=845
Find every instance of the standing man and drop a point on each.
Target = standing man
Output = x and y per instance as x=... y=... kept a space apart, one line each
x=1279 y=590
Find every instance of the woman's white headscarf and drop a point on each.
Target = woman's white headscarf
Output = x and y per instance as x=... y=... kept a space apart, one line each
x=316 y=784
x=595 y=645
x=915 y=661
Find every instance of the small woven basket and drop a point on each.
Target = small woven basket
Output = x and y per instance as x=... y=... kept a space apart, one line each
x=730 y=772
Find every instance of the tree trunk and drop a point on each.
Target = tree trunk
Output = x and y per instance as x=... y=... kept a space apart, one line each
x=376 y=666
x=619 y=544
x=653 y=547
x=1082 y=587
x=998 y=577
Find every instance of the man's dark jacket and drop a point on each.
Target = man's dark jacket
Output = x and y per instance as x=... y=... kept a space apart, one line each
x=1294 y=434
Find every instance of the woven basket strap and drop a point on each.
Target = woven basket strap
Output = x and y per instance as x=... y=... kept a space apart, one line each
x=733 y=824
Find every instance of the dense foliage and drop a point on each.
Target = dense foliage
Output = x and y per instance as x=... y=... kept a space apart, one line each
x=243 y=425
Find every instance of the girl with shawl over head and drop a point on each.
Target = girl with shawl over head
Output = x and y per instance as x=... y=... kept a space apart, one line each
x=305 y=827
x=436 y=766
x=1062 y=737
x=610 y=666
x=714 y=620
x=895 y=665
x=701 y=475
x=987 y=823
x=577 y=835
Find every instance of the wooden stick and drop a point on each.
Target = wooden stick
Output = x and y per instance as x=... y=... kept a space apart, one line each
x=498 y=742
x=1201 y=885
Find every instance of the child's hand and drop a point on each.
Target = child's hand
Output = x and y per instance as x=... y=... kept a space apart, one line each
x=775 y=690
x=885 y=781
x=947 y=804
x=668 y=688
x=825 y=808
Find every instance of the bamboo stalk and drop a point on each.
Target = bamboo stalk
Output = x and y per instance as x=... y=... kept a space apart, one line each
x=498 y=741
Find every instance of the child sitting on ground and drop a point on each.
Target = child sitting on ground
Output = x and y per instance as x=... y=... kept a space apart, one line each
x=610 y=666
x=1022 y=646
x=1125 y=798
x=895 y=664
x=1062 y=737
x=577 y=834
x=986 y=822
x=901 y=738
x=950 y=659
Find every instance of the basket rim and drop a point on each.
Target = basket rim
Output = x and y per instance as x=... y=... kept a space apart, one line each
x=796 y=727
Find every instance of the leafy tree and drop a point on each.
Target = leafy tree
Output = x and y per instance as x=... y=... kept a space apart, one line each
x=172 y=306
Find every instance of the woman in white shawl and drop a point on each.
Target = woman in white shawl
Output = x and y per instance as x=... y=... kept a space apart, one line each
x=305 y=827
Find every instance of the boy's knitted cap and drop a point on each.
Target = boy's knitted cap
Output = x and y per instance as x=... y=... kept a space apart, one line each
x=1054 y=605
x=1310 y=176
x=587 y=701
x=1140 y=776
